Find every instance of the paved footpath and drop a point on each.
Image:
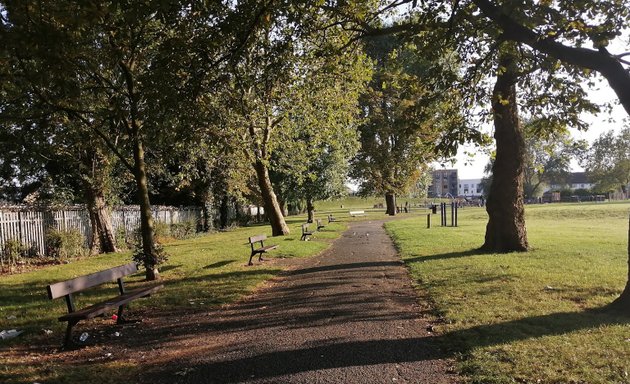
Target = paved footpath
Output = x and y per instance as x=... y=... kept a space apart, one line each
x=349 y=315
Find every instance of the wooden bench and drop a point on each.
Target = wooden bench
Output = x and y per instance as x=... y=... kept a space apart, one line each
x=357 y=213
x=260 y=250
x=320 y=225
x=331 y=219
x=305 y=232
x=82 y=283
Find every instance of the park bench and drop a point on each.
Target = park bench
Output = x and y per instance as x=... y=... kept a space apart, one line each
x=260 y=250
x=79 y=284
x=357 y=213
x=331 y=219
x=305 y=232
x=320 y=225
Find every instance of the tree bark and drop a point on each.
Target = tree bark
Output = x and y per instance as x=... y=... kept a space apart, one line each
x=622 y=303
x=272 y=208
x=505 y=231
x=390 y=201
x=224 y=211
x=146 y=218
x=310 y=209
x=103 y=240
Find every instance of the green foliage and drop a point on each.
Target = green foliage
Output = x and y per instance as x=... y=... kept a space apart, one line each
x=183 y=230
x=608 y=161
x=549 y=150
x=406 y=115
x=12 y=253
x=63 y=244
x=159 y=256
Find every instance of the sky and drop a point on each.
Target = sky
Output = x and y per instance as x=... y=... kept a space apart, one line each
x=603 y=122
x=599 y=124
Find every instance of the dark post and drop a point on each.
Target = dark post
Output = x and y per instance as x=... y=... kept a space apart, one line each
x=453 y=207
x=428 y=220
x=456 y=211
x=443 y=214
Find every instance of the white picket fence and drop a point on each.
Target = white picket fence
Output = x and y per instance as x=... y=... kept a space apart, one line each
x=30 y=226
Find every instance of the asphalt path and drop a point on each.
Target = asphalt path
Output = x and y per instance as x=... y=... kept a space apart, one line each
x=349 y=315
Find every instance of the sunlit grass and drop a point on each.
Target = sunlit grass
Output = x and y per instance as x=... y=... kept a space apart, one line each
x=529 y=317
x=202 y=272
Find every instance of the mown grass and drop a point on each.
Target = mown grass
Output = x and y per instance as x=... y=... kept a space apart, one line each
x=532 y=317
x=202 y=272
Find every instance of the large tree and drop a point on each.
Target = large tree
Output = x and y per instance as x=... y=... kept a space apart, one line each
x=110 y=67
x=608 y=161
x=407 y=111
x=287 y=48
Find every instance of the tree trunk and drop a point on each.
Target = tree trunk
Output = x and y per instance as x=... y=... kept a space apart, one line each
x=224 y=211
x=283 y=206
x=622 y=303
x=103 y=240
x=505 y=231
x=272 y=208
x=150 y=258
x=310 y=209
x=390 y=201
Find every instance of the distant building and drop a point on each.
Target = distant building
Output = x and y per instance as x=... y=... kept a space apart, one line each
x=444 y=184
x=470 y=187
x=577 y=180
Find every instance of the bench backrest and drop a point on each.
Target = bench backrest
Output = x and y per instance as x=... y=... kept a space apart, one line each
x=83 y=282
x=255 y=239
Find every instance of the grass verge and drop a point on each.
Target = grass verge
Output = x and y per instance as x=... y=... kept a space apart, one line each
x=530 y=317
x=201 y=272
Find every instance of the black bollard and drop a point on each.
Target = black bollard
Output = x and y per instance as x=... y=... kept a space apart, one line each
x=428 y=220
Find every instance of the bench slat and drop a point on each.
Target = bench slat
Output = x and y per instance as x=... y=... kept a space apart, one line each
x=113 y=303
x=254 y=239
x=265 y=248
x=83 y=282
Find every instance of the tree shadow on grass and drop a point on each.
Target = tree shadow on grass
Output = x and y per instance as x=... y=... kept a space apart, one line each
x=446 y=256
x=219 y=264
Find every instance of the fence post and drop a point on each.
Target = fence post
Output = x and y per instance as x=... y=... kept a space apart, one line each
x=428 y=220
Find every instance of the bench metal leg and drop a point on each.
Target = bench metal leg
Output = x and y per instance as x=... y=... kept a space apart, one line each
x=67 y=342
x=250 y=258
x=119 y=319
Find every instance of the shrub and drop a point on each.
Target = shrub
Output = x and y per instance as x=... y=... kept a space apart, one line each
x=183 y=230
x=12 y=253
x=160 y=254
x=121 y=238
x=62 y=244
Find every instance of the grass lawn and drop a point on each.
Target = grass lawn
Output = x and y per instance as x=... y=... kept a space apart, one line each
x=208 y=270
x=530 y=317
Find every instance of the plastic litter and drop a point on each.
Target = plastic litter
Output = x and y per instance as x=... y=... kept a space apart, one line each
x=11 y=317
x=47 y=331
x=84 y=336
x=9 y=334
x=114 y=317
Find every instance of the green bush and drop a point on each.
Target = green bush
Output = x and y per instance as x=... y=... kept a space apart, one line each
x=183 y=230
x=161 y=230
x=121 y=238
x=63 y=244
x=12 y=253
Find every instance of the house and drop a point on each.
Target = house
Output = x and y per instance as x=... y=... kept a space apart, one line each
x=470 y=188
x=576 y=180
x=444 y=183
